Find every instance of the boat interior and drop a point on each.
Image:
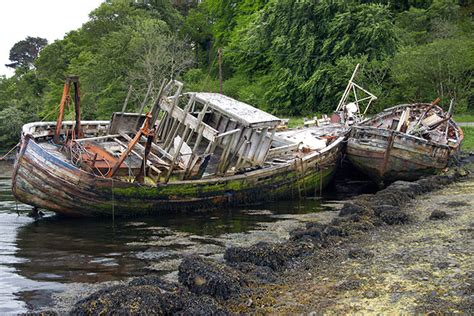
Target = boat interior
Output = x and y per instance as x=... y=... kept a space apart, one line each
x=427 y=121
x=183 y=136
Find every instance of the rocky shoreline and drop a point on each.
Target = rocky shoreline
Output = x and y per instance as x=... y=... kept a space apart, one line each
x=384 y=252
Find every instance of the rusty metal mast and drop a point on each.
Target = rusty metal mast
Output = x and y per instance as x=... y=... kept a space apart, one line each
x=66 y=99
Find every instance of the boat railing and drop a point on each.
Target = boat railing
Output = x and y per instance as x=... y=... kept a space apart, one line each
x=47 y=129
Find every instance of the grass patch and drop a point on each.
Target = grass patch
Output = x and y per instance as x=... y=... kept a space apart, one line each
x=463 y=118
x=468 y=142
x=298 y=121
x=295 y=121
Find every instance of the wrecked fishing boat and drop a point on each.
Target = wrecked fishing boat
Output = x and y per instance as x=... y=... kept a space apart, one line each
x=404 y=142
x=191 y=151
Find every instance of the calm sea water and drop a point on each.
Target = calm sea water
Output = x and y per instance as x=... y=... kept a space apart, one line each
x=40 y=259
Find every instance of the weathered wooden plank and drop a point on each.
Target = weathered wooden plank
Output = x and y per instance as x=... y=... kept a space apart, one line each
x=191 y=121
x=278 y=151
x=96 y=138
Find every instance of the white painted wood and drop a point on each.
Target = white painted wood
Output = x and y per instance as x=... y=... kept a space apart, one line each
x=241 y=112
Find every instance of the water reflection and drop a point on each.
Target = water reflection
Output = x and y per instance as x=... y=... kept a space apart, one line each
x=84 y=250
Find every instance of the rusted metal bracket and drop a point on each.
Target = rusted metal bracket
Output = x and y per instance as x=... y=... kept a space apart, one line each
x=142 y=174
x=65 y=99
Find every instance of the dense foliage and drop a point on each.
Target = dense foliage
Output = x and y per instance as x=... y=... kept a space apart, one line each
x=288 y=57
x=295 y=57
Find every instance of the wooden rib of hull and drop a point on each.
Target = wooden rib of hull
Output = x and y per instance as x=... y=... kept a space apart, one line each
x=388 y=156
x=43 y=180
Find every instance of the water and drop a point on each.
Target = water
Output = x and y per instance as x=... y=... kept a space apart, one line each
x=43 y=259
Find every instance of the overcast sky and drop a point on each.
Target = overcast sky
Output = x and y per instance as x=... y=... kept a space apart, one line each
x=50 y=19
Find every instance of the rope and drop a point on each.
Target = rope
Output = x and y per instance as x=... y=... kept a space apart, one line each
x=113 y=204
x=4 y=156
x=54 y=110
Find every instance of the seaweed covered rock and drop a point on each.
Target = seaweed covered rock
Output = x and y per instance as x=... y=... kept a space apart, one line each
x=275 y=256
x=355 y=208
x=359 y=253
x=452 y=204
x=428 y=184
x=332 y=230
x=315 y=225
x=437 y=215
x=42 y=313
x=410 y=189
x=390 y=196
x=147 y=296
x=350 y=226
x=316 y=234
x=379 y=209
x=394 y=217
x=125 y=299
x=254 y=273
x=204 y=276
x=201 y=305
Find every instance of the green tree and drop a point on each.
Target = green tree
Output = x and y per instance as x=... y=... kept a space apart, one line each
x=24 y=53
x=124 y=42
x=443 y=68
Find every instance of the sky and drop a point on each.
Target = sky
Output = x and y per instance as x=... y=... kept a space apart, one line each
x=50 y=19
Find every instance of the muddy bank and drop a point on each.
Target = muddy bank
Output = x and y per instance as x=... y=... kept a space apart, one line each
x=384 y=252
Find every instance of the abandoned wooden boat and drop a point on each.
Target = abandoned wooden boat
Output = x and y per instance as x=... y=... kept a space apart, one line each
x=190 y=151
x=404 y=142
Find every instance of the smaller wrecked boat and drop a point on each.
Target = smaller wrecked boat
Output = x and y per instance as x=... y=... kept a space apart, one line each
x=404 y=142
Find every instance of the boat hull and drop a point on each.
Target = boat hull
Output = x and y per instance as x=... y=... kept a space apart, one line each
x=44 y=180
x=387 y=156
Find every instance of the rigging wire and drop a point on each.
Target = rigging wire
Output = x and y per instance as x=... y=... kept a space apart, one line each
x=5 y=156
x=206 y=81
